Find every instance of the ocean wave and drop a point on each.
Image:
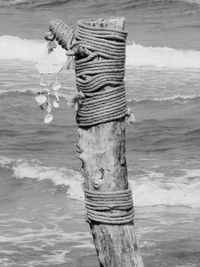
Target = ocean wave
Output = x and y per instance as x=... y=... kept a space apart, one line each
x=34 y=169
x=180 y=99
x=150 y=193
x=146 y=192
x=38 y=3
x=4 y=161
x=67 y=95
x=32 y=3
x=120 y=5
x=162 y=57
x=16 y=92
x=59 y=176
x=192 y=1
x=12 y=48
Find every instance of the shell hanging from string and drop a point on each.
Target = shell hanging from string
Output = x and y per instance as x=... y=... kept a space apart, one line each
x=49 y=67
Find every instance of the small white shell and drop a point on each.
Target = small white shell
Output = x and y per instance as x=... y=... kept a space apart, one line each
x=48 y=118
x=41 y=99
x=56 y=86
x=56 y=104
x=76 y=106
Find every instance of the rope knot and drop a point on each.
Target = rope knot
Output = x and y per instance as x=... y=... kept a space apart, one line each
x=76 y=100
x=49 y=36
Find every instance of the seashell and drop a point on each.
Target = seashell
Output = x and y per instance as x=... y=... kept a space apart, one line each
x=48 y=118
x=41 y=99
x=56 y=104
x=48 y=107
x=56 y=86
x=76 y=106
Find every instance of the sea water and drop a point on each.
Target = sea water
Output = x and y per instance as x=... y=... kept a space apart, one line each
x=41 y=200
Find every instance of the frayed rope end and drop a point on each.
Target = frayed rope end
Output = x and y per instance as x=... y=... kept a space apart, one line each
x=130 y=117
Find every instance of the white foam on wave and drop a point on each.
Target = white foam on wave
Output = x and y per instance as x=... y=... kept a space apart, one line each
x=150 y=193
x=59 y=176
x=175 y=98
x=147 y=191
x=138 y=55
x=4 y=161
x=13 y=47
x=192 y=1
x=11 y=2
x=34 y=169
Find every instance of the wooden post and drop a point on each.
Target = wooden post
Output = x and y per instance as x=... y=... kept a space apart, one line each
x=102 y=152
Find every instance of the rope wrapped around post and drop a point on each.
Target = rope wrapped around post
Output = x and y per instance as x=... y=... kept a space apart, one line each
x=111 y=207
x=101 y=84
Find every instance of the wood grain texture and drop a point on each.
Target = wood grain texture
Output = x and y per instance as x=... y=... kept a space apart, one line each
x=102 y=153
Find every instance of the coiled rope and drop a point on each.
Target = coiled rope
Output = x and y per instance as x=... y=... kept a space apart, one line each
x=110 y=207
x=100 y=74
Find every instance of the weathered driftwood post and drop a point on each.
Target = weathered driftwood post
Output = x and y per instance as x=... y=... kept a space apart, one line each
x=99 y=49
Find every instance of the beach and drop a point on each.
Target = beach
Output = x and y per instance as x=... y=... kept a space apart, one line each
x=42 y=215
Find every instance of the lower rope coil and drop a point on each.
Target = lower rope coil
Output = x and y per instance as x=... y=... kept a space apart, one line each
x=109 y=207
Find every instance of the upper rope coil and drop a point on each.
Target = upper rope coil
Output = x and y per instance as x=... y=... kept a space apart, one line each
x=99 y=73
